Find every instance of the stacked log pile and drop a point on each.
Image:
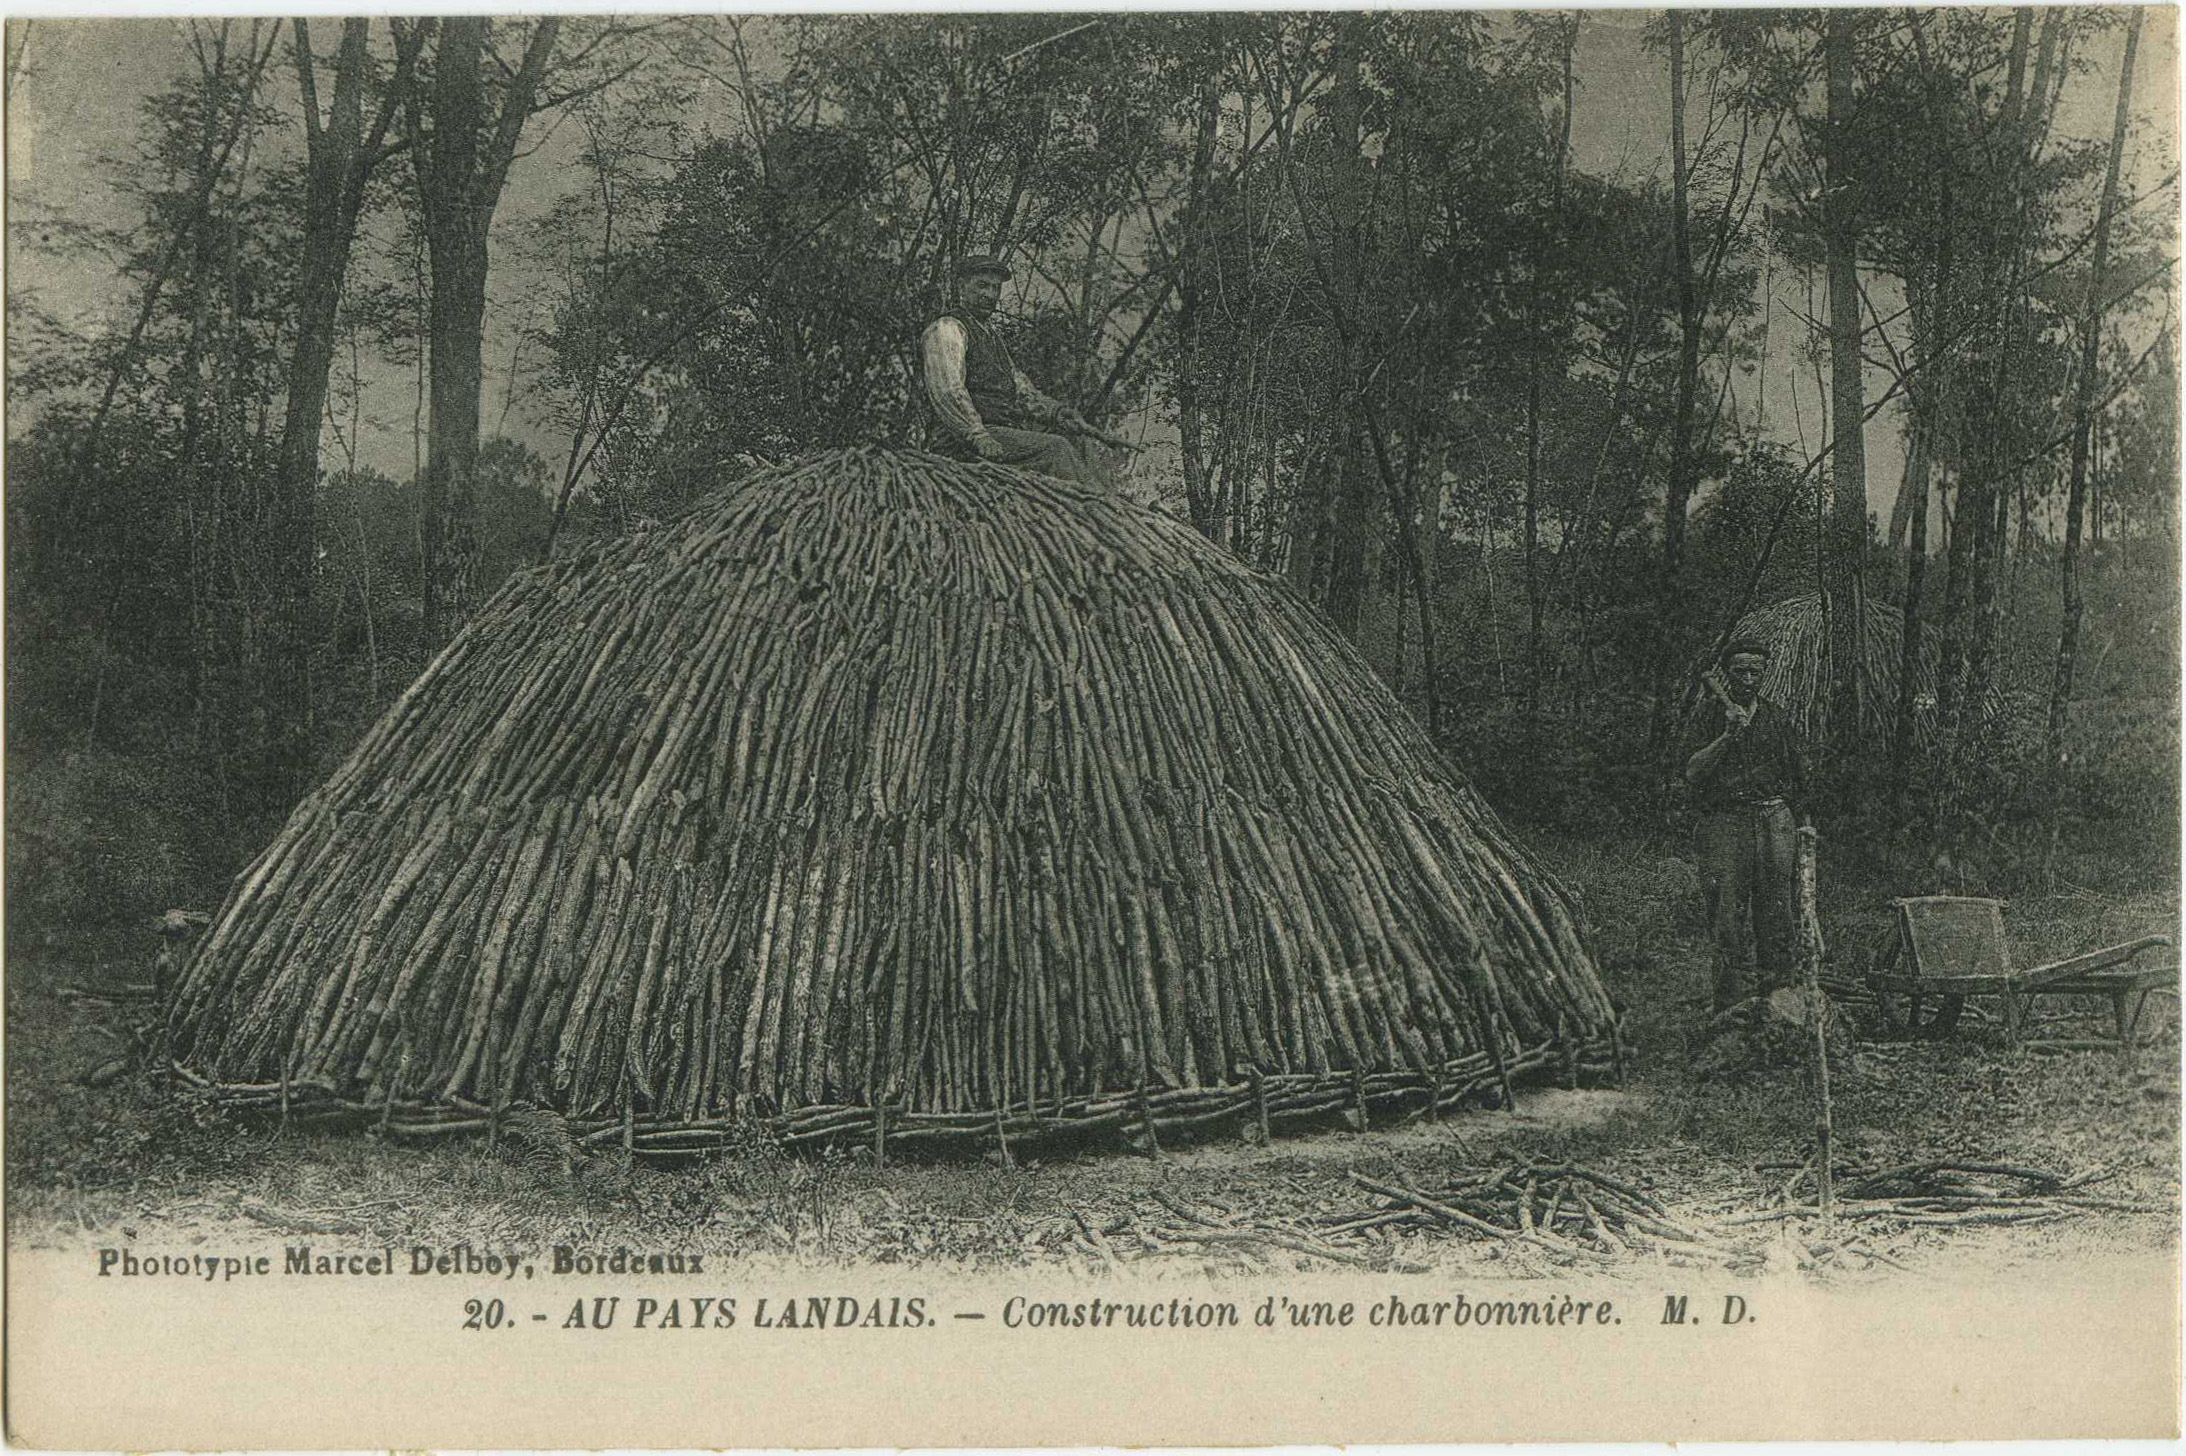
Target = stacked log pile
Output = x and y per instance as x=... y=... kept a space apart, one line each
x=1798 y=676
x=884 y=787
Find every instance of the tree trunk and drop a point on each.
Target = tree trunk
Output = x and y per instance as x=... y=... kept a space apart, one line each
x=1916 y=577
x=451 y=437
x=18 y=46
x=1668 y=609
x=460 y=173
x=456 y=323
x=1536 y=593
x=1848 y=403
x=1270 y=540
x=1901 y=510
x=2075 y=606
x=2094 y=488
x=1309 y=510
x=339 y=157
x=1962 y=510
x=1980 y=496
x=1534 y=597
x=1990 y=442
x=1198 y=470
x=1350 y=531
x=1427 y=567
x=1931 y=418
x=1360 y=517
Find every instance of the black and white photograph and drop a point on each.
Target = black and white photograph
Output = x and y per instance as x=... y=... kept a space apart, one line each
x=1101 y=728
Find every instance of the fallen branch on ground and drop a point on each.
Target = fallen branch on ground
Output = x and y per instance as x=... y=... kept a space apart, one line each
x=1942 y=1193
x=1560 y=1208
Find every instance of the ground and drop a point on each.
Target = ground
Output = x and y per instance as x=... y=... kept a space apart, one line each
x=100 y=1149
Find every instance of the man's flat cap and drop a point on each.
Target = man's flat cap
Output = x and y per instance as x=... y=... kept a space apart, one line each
x=977 y=263
x=1746 y=647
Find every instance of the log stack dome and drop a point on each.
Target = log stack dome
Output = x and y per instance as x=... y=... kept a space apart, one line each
x=1796 y=629
x=888 y=792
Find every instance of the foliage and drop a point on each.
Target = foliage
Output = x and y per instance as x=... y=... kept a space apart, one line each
x=1562 y=771
x=1380 y=328
x=101 y=838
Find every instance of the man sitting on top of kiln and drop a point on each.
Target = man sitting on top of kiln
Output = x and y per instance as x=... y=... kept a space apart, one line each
x=980 y=398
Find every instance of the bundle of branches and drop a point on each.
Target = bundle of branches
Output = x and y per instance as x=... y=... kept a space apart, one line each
x=885 y=782
x=1558 y=1207
x=1798 y=670
x=1952 y=1194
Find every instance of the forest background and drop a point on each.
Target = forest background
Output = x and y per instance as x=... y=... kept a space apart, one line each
x=1535 y=348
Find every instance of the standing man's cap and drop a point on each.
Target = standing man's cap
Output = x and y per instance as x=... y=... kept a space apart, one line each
x=978 y=263
x=1745 y=647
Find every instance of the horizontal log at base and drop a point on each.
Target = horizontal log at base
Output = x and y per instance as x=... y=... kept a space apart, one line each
x=1286 y=1103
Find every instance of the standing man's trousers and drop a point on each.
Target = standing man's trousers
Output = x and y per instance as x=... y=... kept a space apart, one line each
x=1748 y=867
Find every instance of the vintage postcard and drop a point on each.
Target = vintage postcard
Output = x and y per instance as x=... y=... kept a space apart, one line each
x=1104 y=729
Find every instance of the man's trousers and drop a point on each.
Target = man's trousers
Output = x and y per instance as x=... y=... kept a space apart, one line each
x=1062 y=456
x=1748 y=869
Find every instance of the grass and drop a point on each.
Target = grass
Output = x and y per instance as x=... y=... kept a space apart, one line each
x=130 y=1159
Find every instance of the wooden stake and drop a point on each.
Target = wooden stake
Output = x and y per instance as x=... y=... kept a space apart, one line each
x=1146 y=1116
x=1260 y=1104
x=880 y=1133
x=394 y=1080
x=1491 y=1030
x=1358 y=1096
x=1502 y=1067
x=1810 y=965
x=1001 y=1139
x=1565 y=1056
x=493 y=1113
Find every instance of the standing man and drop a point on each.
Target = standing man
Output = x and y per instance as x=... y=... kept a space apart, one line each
x=1747 y=769
x=983 y=403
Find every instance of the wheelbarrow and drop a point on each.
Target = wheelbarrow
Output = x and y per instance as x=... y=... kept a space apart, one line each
x=1946 y=948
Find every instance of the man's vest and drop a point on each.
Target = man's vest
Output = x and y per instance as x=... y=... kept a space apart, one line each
x=990 y=376
x=1764 y=765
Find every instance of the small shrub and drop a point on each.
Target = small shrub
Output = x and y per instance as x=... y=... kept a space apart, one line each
x=1641 y=903
x=1558 y=771
x=96 y=837
x=802 y=1196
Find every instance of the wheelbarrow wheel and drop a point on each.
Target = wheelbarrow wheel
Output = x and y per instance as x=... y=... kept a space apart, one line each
x=1906 y=1014
x=1919 y=1017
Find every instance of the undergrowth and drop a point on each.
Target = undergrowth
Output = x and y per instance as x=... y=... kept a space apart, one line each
x=99 y=1144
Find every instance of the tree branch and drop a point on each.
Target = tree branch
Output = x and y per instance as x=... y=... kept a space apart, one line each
x=200 y=205
x=307 y=82
x=2125 y=381
x=517 y=109
x=589 y=89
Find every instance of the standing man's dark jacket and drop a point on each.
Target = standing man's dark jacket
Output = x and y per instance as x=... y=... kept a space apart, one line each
x=1767 y=761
